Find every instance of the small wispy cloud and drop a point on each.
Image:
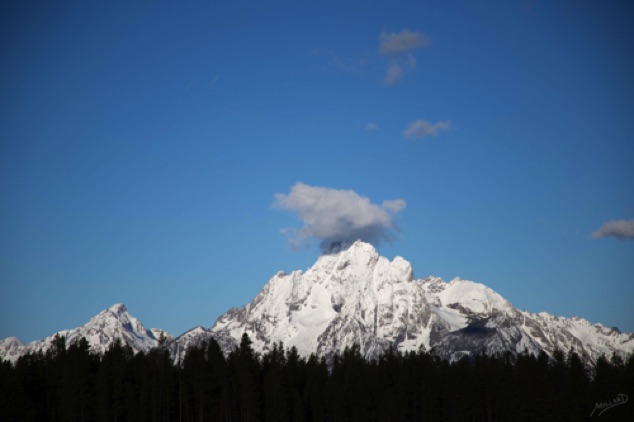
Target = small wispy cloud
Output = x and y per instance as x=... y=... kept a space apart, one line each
x=394 y=205
x=371 y=126
x=621 y=229
x=422 y=128
x=348 y=64
x=402 y=42
x=351 y=64
x=397 y=48
x=335 y=215
x=394 y=74
x=411 y=61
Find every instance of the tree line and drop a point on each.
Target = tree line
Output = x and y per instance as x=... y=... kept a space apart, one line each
x=70 y=383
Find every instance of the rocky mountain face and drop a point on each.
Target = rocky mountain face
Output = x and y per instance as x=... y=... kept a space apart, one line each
x=101 y=332
x=195 y=337
x=351 y=295
x=354 y=296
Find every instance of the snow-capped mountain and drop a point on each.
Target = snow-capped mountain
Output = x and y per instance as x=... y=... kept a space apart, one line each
x=11 y=348
x=352 y=295
x=101 y=331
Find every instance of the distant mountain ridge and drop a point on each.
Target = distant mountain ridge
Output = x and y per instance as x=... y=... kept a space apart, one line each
x=351 y=295
x=101 y=331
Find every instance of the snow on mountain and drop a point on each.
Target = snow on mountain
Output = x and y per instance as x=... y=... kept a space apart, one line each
x=354 y=296
x=101 y=331
x=351 y=295
x=11 y=348
x=158 y=333
x=178 y=346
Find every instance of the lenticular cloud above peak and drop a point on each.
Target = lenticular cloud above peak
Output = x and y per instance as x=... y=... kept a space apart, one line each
x=333 y=215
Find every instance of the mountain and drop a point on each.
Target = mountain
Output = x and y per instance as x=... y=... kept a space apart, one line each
x=178 y=346
x=351 y=295
x=11 y=348
x=101 y=331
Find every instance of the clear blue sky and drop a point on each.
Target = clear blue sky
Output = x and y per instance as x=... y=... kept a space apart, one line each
x=142 y=145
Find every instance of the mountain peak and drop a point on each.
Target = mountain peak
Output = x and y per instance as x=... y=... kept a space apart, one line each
x=347 y=255
x=336 y=247
x=117 y=308
x=13 y=341
x=352 y=295
x=344 y=245
x=101 y=331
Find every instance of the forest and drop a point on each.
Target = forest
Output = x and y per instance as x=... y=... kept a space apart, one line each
x=70 y=383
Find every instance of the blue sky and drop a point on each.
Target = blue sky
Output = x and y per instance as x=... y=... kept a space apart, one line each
x=142 y=145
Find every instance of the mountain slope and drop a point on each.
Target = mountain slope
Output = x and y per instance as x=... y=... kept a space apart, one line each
x=178 y=346
x=101 y=331
x=354 y=296
x=351 y=295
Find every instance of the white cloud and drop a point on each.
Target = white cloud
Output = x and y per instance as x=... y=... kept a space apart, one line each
x=333 y=215
x=621 y=229
x=421 y=128
x=402 y=42
x=394 y=205
x=394 y=74
x=372 y=126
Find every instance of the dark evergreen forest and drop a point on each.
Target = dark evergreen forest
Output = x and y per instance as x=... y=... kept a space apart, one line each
x=69 y=383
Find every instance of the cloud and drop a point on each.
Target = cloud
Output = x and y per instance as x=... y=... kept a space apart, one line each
x=348 y=64
x=621 y=229
x=411 y=61
x=394 y=205
x=351 y=64
x=333 y=215
x=402 y=42
x=397 y=48
x=394 y=75
x=421 y=128
x=372 y=126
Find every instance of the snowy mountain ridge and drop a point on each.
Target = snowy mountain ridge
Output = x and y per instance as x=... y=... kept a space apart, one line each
x=101 y=331
x=352 y=295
